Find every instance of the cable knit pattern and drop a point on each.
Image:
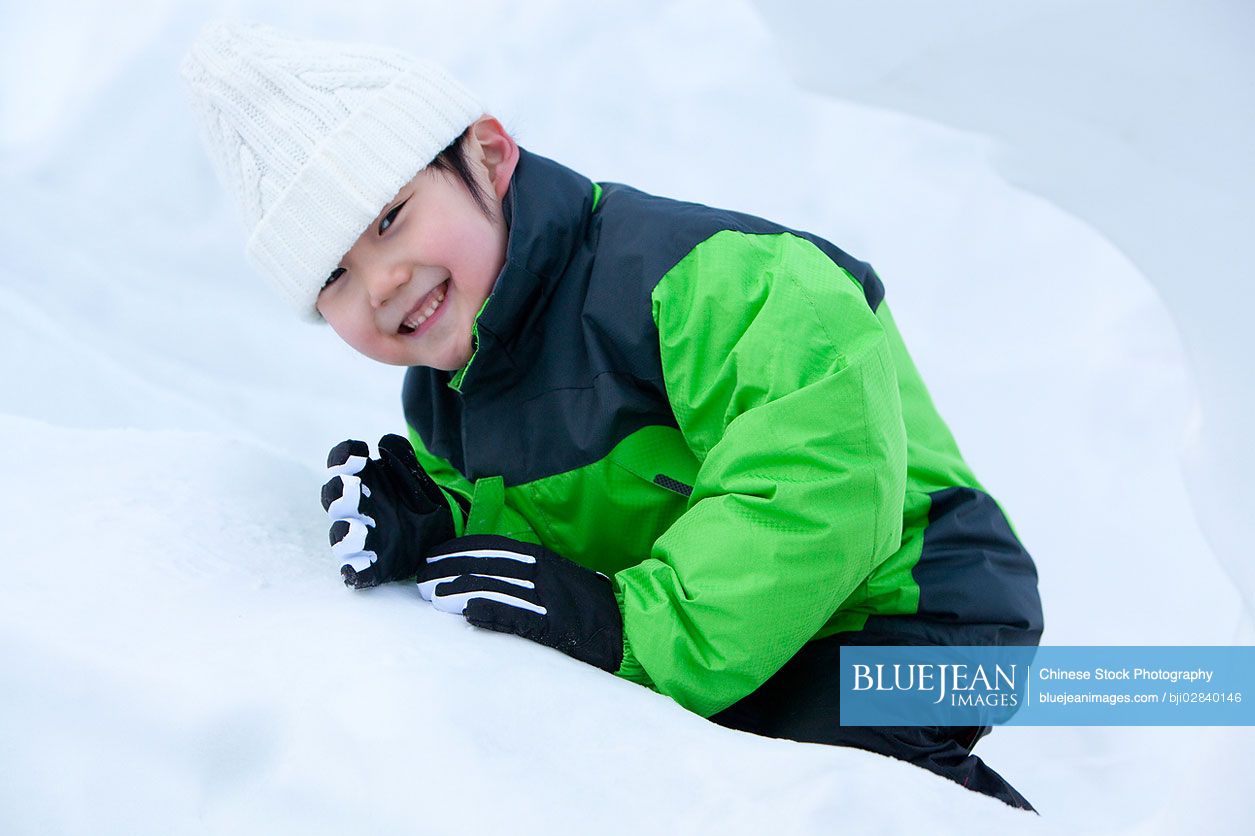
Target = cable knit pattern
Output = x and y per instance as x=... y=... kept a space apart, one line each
x=312 y=138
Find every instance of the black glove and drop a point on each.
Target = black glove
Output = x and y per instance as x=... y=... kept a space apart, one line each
x=384 y=512
x=516 y=587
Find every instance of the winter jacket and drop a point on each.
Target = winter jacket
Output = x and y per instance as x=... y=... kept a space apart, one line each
x=718 y=413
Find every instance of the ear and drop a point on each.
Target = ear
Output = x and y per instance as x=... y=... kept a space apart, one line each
x=496 y=150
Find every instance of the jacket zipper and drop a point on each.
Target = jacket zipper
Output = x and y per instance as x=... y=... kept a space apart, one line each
x=673 y=485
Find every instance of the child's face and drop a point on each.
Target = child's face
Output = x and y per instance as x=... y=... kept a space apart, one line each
x=435 y=241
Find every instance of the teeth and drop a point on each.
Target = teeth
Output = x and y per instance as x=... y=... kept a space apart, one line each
x=422 y=315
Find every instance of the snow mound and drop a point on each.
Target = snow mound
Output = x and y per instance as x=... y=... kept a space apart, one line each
x=180 y=654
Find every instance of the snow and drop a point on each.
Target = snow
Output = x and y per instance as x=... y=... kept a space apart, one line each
x=177 y=654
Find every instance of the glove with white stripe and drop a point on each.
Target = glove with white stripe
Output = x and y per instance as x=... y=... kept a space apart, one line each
x=384 y=512
x=516 y=587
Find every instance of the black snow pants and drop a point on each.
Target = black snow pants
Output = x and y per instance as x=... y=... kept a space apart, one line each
x=802 y=702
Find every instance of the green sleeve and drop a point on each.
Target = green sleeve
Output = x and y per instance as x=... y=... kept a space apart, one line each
x=478 y=508
x=783 y=386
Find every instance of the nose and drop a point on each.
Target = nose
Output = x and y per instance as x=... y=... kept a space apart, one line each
x=382 y=282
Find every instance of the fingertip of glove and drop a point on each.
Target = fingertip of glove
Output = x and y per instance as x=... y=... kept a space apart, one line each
x=479 y=613
x=398 y=445
x=354 y=579
x=331 y=491
x=338 y=531
x=345 y=450
x=475 y=615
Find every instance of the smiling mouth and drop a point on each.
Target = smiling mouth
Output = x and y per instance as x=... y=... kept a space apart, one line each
x=426 y=308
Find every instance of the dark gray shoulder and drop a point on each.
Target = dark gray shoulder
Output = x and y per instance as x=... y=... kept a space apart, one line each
x=652 y=234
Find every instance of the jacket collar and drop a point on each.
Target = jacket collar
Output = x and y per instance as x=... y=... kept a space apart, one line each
x=546 y=207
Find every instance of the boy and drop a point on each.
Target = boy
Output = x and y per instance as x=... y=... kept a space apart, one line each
x=683 y=444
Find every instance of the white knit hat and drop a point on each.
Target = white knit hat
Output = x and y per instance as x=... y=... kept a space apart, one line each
x=312 y=138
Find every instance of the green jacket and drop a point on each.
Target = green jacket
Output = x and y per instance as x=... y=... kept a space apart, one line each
x=718 y=413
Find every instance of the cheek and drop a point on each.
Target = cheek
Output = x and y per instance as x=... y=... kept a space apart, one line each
x=351 y=329
x=457 y=249
x=466 y=246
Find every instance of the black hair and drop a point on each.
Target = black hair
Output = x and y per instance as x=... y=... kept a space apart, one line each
x=452 y=160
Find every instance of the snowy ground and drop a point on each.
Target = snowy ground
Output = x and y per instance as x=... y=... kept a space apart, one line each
x=177 y=654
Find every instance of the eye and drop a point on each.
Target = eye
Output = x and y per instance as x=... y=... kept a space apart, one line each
x=391 y=216
x=335 y=274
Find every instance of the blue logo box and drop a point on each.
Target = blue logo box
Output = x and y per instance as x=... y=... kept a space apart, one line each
x=1047 y=686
